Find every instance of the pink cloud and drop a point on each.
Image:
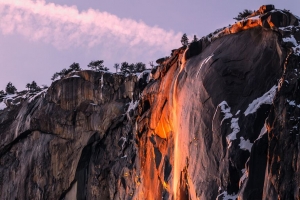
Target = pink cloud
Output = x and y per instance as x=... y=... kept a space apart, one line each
x=66 y=27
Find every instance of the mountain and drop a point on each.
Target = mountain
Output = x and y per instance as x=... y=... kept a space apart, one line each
x=218 y=119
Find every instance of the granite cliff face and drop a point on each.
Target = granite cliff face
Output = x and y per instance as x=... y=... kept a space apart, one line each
x=216 y=120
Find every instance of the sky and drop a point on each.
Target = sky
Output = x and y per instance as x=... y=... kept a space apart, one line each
x=41 y=37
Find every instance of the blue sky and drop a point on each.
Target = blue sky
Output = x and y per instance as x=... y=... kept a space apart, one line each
x=39 y=38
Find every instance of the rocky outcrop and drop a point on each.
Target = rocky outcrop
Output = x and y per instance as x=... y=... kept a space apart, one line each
x=218 y=120
x=48 y=141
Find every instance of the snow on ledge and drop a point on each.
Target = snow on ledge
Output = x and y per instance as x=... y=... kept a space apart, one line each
x=267 y=98
x=225 y=196
x=132 y=105
x=245 y=144
x=2 y=105
x=74 y=76
x=290 y=39
x=235 y=129
x=41 y=93
x=225 y=109
x=243 y=178
x=262 y=132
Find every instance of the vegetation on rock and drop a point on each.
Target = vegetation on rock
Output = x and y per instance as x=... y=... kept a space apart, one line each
x=33 y=87
x=243 y=14
x=184 y=40
x=10 y=88
x=97 y=65
x=64 y=72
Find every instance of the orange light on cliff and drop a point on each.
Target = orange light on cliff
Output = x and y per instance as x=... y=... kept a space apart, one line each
x=163 y=128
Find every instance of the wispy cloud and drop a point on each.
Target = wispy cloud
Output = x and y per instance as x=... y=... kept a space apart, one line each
x=66 y=27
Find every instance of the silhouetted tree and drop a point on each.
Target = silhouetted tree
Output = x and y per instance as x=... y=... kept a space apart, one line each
x=55 y=76
x=243 y=14
x=125 y=68
x=44 y=86
x=184 y=40
x=2 y=92
x=139 y=67
x=28 y=86
x=96 y=65
x=10 y=88
x=74 y=67
x=131 y=68
x=151 y=64
x=64 y=72
x=33 y=87
x=195 y=39
x=116 y=66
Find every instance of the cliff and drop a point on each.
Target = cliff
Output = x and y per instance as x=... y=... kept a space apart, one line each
x=218 y=119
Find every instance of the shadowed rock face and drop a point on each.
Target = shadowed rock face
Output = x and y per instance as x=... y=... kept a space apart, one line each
x=51 y=145
x=218 y=120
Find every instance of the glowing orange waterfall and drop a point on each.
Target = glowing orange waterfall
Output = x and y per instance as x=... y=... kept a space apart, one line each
x=175 y=124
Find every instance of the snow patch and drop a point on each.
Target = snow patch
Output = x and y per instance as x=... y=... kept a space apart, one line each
x=243 y=178
x=74 y=76
x=245 y=144
x=292 y=103
x=140 y=75
x=43 y=92
x=235 y=129
x=267 y=98
x=254 y=18
x=225 y=109
x=124 y=140
x=225 y=196
x=290 y=39
x=262 y=132
x=101 y=80
x=2 y=105
x=132 y=105
x=295 y=127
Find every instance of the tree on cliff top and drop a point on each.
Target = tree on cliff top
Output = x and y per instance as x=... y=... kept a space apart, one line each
x=97 y=65
x=243 y=14
x=195 y=39
x=139 y=67
x=116 y=66
x=33 y=87
x=184 y=40
x=74 y=67
x=64 y=72
x=10 y=89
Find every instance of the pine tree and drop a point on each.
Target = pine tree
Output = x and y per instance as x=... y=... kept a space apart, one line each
x=116 y=66
x=243 y=14
x=184 y=40
x=124 y=68
x=151 y=64
x=139 y=67
x=10 y=88
x=96 y=65
x=195 y=39
x=28 y=86
x=74 y=67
